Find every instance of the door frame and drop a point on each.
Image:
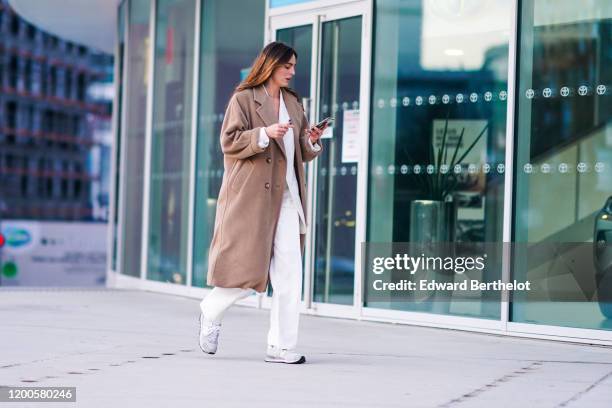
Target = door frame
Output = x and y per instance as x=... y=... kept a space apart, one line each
x=315 y=14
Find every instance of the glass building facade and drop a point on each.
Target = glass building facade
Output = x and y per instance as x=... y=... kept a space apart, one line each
x=55 y=119
x=518 y=90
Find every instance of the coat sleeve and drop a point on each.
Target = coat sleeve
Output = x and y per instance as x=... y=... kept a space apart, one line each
x=308 y=153
x=238 y=140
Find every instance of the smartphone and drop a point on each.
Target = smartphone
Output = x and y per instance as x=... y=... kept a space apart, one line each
x=322 y=123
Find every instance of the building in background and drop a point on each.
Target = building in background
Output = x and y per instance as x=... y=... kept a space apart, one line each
x=55 y=125
x=56 y=101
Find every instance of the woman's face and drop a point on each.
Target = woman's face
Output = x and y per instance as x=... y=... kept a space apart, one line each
x=283 y=74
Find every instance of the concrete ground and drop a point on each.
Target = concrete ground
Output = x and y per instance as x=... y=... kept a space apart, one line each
x=124 y=348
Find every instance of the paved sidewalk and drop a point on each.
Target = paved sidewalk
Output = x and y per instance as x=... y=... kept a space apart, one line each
x=124 y=348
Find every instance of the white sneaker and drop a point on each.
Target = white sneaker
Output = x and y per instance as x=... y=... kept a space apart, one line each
x=209 y=335
x=276 y=355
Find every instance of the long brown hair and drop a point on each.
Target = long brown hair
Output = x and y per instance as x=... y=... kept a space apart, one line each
x=273 y=55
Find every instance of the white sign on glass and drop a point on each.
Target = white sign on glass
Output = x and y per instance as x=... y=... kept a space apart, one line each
x=350 y=136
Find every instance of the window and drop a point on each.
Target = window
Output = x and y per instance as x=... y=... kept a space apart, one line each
x=43 y=79
x=431 y=63
x=41 y=180
x=81 y=87
x=1 y=70
x=25 y=177
x=234 y=49
x=11 y=115
x=47 y=123
x=31 y=31
x=30 y=117
x=76 y=126
x=173 y=94
x=121 y=34
x=49 y=178
x=13 y=72
x=78 y=183
x=563 y=160
x=14 y=24
x=27 y=80
x=64 y=180
x=68 y=84
x=53 y=81
x=133 y=133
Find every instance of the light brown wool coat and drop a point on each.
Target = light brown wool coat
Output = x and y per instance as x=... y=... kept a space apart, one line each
x=252 y=188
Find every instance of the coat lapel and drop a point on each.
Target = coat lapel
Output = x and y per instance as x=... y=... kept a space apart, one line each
x=266 y=112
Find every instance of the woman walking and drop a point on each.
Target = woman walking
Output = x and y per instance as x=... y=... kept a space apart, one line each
x=260 y=221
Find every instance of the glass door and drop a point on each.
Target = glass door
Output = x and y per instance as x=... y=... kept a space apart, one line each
x=328 y=77
x=300 y=38
x=336 y=168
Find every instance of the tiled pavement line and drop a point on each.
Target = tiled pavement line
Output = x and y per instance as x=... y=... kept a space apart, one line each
x=496 y=382
x=582 y=393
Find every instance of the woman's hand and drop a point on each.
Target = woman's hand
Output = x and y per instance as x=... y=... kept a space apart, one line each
x=314 y=133
x=278 y=130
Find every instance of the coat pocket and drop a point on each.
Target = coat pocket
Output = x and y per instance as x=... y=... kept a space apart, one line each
x=244 y=170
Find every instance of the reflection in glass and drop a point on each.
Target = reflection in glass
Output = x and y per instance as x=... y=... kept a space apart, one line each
x=439 y=65
x=230 y=42
x=119 y=127
x=564 y=153
x=336 y=190
x=135 y=128
x=172 y=96
x=300 y=38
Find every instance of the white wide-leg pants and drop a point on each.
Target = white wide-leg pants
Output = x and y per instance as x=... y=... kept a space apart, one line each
x=285 y=277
